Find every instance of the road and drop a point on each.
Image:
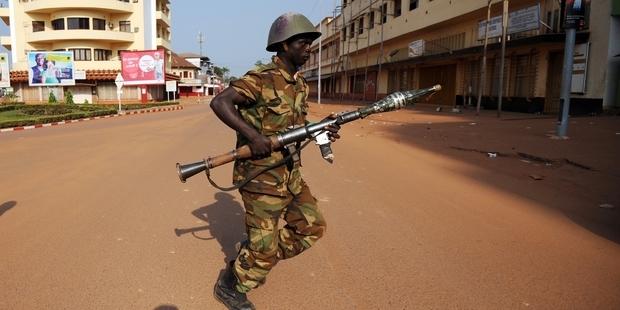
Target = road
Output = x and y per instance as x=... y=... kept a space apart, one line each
x=93 y=216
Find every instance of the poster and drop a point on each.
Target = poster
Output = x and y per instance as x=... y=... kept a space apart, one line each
x=50 y=68
x=575 y=13
x=5 y=80
x=143 y=67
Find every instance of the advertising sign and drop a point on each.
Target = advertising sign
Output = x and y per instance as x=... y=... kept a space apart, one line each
x=143 y=67
x=5 y=80
x=575 y=13
x=518 y=21
x=50 y=68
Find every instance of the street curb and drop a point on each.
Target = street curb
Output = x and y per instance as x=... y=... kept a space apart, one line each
x=154 y=110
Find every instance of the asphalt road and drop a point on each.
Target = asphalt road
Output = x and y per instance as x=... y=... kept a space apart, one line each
x=93 y=216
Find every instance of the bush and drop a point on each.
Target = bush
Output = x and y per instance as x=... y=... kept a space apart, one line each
x=52 y=98
x=86 y=101
x=69 y=97
x=41 y=114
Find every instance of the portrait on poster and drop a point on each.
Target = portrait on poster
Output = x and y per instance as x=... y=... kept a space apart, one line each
x=50 y=68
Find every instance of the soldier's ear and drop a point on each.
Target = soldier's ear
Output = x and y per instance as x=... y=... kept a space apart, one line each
x=284 y=47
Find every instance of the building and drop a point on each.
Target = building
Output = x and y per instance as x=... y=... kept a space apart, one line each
x=190 y=85
x=387 y=46
x=96 y=31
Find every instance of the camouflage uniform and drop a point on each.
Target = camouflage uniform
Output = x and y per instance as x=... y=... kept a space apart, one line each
x=277 y=101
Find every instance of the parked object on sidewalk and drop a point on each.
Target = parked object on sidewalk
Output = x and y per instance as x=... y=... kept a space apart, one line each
x=492 y=155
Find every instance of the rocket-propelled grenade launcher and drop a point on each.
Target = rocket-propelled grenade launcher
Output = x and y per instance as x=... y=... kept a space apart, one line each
x=392 y=102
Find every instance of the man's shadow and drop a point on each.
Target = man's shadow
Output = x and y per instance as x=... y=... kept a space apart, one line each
x=225 y=218
x=7 y=206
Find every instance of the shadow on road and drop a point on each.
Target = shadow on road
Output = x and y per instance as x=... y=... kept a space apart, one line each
x=462 y=141
x=166 y=307
x=7 y=206
x=225 y=220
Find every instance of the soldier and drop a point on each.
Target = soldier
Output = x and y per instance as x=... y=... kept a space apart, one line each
x=263 y=103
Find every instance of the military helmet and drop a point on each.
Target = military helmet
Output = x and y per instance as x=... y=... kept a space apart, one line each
x=288 y=25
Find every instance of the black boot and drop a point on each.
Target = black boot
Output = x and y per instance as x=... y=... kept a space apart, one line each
x=226 y=293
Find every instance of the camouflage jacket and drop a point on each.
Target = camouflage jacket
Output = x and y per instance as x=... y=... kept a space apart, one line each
x=276 y=101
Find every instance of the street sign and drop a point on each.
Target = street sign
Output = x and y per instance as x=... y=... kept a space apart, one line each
x=119 y=81
x=171 y=86
x=417 y=48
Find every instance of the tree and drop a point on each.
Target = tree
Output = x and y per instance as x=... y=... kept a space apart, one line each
x=52 y=98
x=258 y=65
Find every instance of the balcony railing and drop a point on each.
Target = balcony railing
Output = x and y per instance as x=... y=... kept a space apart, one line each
x=87 y=35
x=49 y=6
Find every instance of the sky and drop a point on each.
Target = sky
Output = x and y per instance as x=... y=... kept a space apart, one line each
x=235 y=31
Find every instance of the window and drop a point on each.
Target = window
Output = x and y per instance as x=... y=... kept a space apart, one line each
x=98 y=24
x=352 y=30
x=124 y=26
x=38 y=26
x=398 y=5
x=58 y=24
x=102 y=55
x=81 y=54
x=371 y=20
x=360 y=29
x=185 y=74
x=413 y=4
x=78 y=23
x=384 y=13
x=344 y=34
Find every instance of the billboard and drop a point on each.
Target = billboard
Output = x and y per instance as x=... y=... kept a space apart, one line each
x=50 y=68
x=5 y=80
x=143 y=67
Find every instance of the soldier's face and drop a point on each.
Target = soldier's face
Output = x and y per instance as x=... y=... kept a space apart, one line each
x=298 y=50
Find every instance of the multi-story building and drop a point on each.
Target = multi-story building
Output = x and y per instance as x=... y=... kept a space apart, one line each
x=96 y=31
x=391 y=45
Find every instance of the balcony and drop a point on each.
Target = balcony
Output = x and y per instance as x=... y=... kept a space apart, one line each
x=5 y=41
x=5 y=15
x=85 y=35
x=163 y=18
x=50 y=6
x=164 y=43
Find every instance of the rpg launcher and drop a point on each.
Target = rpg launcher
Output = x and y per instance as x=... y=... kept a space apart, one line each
x=394 y=101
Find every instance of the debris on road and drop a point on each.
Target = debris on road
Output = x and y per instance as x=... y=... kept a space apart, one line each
x=492 y=155
x=537 y=177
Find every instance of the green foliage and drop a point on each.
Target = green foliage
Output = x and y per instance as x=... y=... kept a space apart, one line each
x=26 y=115
x=258 y=65
x=69 y=97
x=9 y=98
x=52 y=98
x=86 y=101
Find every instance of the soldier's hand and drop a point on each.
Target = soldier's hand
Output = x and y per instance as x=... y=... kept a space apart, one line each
x=260 y=146
x=332 y=129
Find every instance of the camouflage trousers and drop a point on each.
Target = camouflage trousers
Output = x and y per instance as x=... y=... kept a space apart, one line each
x=267 y=243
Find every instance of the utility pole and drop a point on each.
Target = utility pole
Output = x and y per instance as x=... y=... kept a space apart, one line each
x=320 y=50
x=575 y=12
x=483 y=69
x=380 y=51
x=200 y=41
x=502 y=60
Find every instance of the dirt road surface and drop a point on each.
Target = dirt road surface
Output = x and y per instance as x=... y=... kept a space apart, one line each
x=93 y=216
